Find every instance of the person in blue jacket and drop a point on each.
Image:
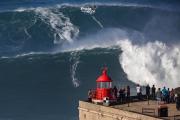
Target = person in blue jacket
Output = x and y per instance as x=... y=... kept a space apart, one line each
x=164 y=94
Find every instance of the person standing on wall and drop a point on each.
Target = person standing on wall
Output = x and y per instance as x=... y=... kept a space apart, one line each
x=147 y=91
x=164 y=94
x=121 y=95
x=168 y=96
x=158 y=96
x=172 y=95
x=90 y=95
x=115 y=91
x=138 y=89
x=153 y=91
x=178 y=102
x=128 y=94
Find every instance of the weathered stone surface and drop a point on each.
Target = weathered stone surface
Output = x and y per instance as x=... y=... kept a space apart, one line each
x=89 y=111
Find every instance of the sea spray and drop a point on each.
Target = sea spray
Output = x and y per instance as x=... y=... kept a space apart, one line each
x=75 y=56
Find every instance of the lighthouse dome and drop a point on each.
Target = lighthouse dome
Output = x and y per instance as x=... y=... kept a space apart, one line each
x=104 y=77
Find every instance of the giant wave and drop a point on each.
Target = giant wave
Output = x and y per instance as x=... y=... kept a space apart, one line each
x=148 y=56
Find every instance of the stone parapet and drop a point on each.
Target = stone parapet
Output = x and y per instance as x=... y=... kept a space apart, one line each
x=90 y=111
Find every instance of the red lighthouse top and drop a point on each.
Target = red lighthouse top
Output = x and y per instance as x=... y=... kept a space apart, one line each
x=104 y=77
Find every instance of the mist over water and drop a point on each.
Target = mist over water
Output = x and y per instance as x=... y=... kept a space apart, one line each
x=51 y=52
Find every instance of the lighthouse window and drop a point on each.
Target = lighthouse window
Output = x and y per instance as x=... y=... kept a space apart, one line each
x=104 y=85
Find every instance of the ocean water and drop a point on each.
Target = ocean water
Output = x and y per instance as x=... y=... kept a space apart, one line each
x=51 y=52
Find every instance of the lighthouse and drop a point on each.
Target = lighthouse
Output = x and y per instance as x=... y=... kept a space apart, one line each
x=104 y=88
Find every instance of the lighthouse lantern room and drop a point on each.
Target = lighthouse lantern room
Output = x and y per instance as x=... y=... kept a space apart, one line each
x=104 y=88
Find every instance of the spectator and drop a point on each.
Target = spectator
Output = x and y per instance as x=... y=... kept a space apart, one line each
x=115 y=90
x=121 y=95
x=128 y=92
x=168 y=96
x=147 y=91
x=158 y=95
x=164 y=94
x=153 y=92
x=172 y=95
x=138 y=89
x=178 y=102
x=90 y=95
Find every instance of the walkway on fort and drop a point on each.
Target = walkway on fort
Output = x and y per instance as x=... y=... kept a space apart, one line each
x=137 y=107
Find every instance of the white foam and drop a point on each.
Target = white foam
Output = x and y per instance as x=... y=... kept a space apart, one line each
x=107 y=38
x=111 y=4
x=151 y=63
x=118 y=4
x=102 y=4
x=23 y=9
x=60 y=24
x=26 y=54
x=75 y=61
x=97 y=21
x=27 y=33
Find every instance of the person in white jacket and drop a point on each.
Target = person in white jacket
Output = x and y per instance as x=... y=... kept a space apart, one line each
x=138 y=89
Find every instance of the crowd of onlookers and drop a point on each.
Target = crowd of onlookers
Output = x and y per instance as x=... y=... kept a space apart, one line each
x=161 y=94
x=122 y=94
x=164 y=94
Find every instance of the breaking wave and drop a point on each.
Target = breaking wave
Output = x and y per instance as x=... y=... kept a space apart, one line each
x=152 y=63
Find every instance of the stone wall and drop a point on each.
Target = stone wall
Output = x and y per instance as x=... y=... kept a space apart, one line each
x=89 y=111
